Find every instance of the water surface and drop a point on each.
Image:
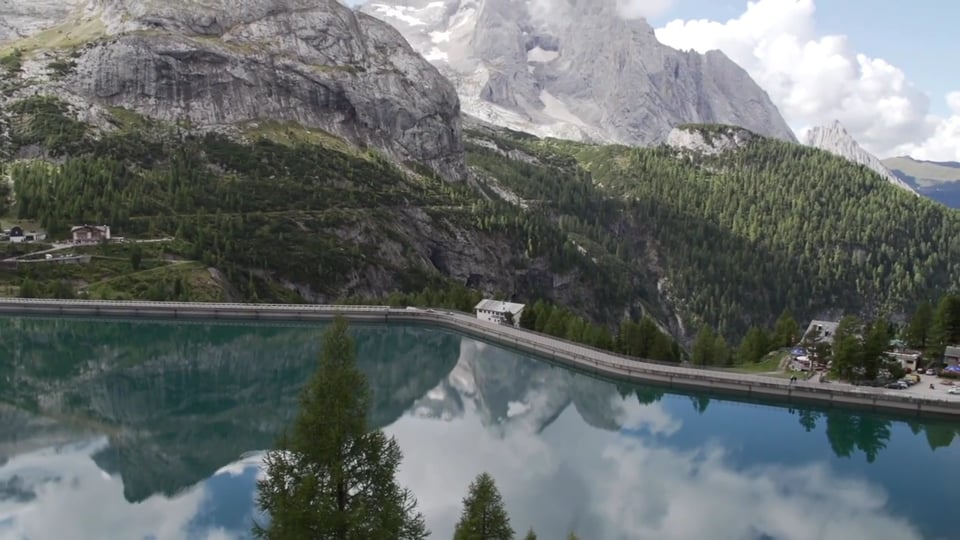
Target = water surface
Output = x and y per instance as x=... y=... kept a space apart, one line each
x=112 y=429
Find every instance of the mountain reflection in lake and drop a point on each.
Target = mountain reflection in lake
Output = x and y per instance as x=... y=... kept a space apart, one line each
x=154 y=430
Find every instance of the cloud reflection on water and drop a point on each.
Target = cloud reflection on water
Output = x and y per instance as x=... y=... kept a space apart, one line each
x=567 y=451
x=608 y=485
x=612 y=485
x=76 y=499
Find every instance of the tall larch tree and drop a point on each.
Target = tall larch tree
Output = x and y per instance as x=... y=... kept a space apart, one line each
x=483 y=516
x=918 y=331
x=786 y=332
x=331 y=478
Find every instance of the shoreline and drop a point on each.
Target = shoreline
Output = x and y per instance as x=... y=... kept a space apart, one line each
x=580 y=357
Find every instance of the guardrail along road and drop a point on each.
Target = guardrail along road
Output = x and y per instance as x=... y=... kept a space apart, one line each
x=557 y=350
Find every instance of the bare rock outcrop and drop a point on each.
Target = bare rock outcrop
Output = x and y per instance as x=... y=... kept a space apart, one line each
x=216 y=63
x=708 y=139
x=577 y=70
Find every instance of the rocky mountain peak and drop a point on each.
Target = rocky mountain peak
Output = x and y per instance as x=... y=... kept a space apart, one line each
x=835 y=138
x=223 y=63
x=575 y=69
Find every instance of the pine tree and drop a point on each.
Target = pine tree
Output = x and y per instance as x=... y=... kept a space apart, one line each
x=786 y=332
x=331 y=478
x=528 y=317
x=136 y=257
x=722 y=355
x=753 y=347
x=28 y=289
x=847 y=347
x=947 y=322
x=918 y=332
x=483 y=516
x=530 y=535
x=875 y=342
x=703 y=347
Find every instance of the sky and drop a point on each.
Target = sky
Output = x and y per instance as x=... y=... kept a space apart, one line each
x=886 y=71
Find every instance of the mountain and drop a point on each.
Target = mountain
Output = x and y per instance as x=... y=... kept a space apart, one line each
x=668 y=231
x=206 y=143
x=326 y=147
x=735 y=227
x=838 y=141
x=224 y=65
x=939 y=180
x=577 y=70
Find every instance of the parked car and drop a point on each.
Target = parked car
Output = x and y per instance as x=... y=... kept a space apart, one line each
x=931 y=372
x=898 y=385
x=954 y=390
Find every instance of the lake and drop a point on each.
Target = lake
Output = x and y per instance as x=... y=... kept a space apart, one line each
x=153 y=430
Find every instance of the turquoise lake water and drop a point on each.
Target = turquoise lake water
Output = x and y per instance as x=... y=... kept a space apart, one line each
x=152 y=429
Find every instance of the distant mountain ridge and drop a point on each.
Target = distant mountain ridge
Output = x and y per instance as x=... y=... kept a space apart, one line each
x=517 y=66
x=938 y=180
x=835 y=139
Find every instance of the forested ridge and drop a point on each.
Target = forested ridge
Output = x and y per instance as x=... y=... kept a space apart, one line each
x=285 y=214
x=745 y=234
x=729 y=241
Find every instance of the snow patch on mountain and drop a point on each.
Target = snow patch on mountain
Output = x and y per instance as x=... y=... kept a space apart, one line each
x=543 y=71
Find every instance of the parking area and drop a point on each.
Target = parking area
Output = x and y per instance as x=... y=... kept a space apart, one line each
x=939 y=390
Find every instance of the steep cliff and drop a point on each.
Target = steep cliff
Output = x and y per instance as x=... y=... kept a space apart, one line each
x=577 y=70
x=838 y=141
x=218 y=63
x=290 y=214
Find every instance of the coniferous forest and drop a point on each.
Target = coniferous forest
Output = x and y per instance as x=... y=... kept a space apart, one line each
x=740 y=236
x=726 y=241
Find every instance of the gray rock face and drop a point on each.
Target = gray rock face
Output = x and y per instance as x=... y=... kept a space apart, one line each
x=20 y=18
x=836 y=140
x=709 y=141
x=315 y=62
x=577 y=70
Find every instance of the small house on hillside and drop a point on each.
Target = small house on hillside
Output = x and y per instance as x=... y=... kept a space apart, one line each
x=85 y=234
x=820 y=332
x=16 y=235
x=499 y=312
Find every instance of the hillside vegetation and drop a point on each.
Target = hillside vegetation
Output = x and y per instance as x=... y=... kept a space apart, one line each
x=741 y=236
x=285 y=214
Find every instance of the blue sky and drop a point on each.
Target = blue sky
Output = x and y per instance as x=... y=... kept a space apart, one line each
x=922 y=40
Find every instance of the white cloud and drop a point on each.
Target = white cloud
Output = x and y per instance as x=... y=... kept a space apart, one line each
x=632 y=9
x=817 y=79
